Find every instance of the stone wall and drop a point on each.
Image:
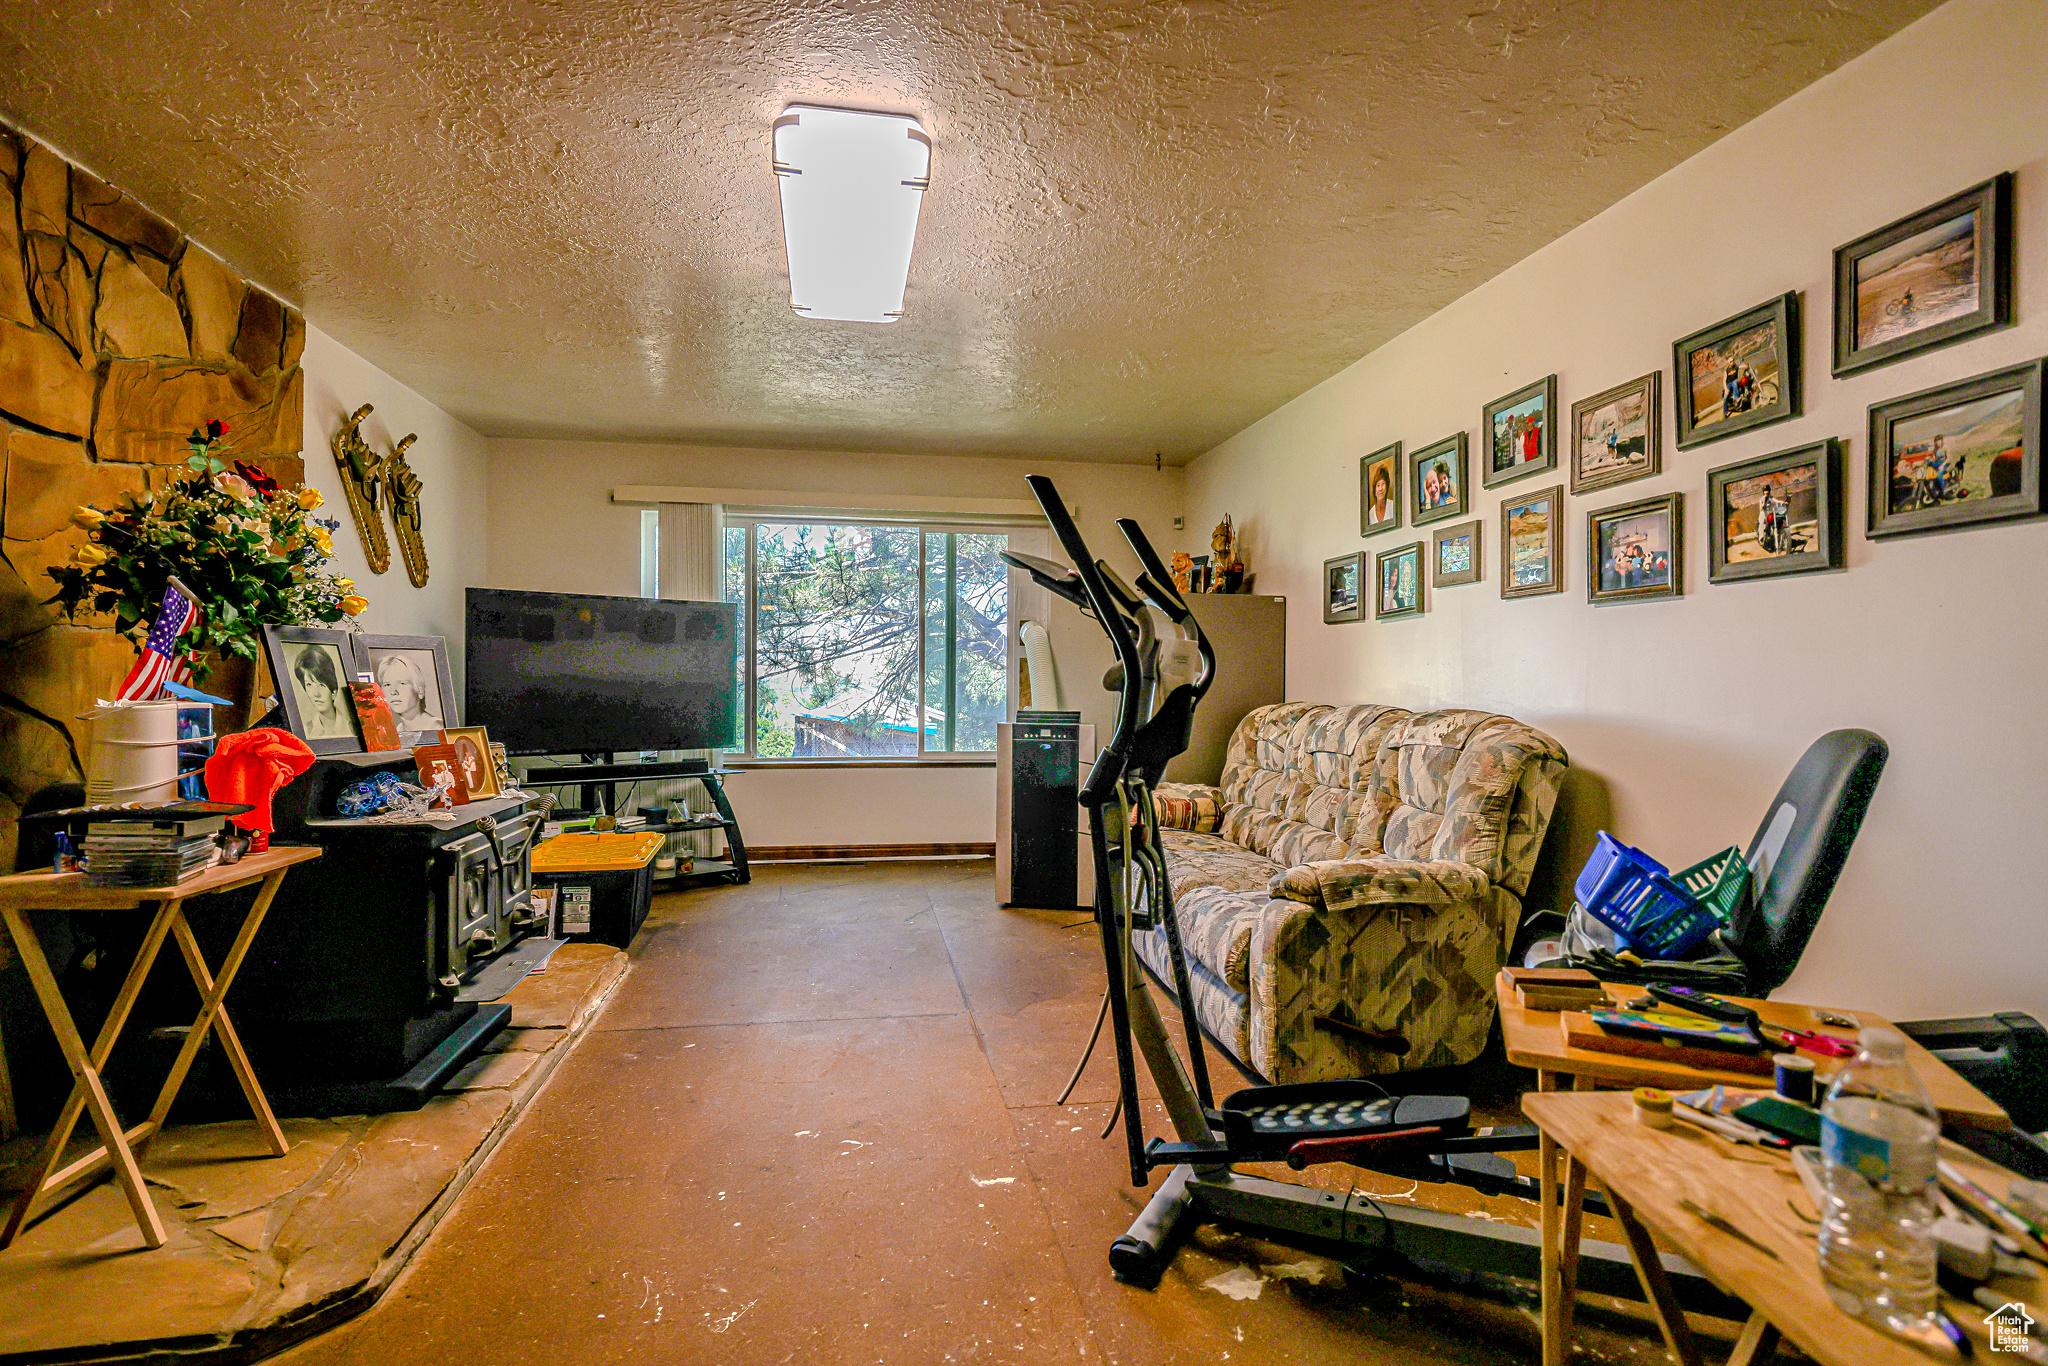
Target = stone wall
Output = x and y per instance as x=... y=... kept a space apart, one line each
x=118 y=335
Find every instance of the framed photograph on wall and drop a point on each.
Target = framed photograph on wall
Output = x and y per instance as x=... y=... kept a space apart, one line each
x=1532 y=543
x=1520 y=433
x=1379 y=490
x=1397 y=575
x=1617 y=435
x=1931 y=278
x=1775 y=515
x=1344 y=587
x=1454 y=555
x=1636 y=550
x=312 y=666
x=1739 y=374
x=1436 y=481
x=413 y=672
x=1958 y=455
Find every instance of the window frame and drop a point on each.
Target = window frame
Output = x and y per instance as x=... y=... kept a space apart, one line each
x=747 y=520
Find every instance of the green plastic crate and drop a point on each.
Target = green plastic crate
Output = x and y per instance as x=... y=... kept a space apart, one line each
x=1718 y=883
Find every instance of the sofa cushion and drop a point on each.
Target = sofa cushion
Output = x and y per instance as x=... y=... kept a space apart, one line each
x=1216 y=929
x=1198 y=860
x=1342 y=884
x=1222 y=1010
x=1470 y=787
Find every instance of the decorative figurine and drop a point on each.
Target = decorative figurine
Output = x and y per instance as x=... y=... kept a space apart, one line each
x=404 y=487
x=1227 y=568
x=362 y=471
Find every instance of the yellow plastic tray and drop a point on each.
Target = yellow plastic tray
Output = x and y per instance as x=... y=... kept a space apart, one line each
x=596 y=852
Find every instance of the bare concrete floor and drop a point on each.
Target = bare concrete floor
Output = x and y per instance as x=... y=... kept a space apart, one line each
x=815 y=1124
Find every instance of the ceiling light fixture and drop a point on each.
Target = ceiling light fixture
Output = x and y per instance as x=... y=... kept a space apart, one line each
x=852 y=183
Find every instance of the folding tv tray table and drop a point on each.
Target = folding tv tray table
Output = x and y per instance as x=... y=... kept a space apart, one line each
x=1535 y=1039
x=121 y=1149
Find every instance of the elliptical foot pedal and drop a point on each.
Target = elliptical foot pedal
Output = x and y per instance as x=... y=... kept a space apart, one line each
x=1263 y=1123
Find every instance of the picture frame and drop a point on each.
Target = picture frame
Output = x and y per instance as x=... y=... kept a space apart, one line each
x=1532 y=543
x=1518 y=433
x=1617 y=435
x=1383 y=464
x=1454 y=553
x=1397 y=582
x=1344 y=588
x=1436 y=481
x=413 y=671
x=1740 y=374
x=1776 y=515
x=436 y=769
x=471 y=746
x=1920 y=482
x=1636 y=551
x=312 y=667
x=1928 y=279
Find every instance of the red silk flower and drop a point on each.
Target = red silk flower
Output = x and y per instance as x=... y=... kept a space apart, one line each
x=256 y=479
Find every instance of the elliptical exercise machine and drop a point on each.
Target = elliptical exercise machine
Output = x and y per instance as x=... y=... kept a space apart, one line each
x=1159 y=682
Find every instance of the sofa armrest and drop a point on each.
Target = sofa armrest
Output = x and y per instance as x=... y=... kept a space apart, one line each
x=1346 y=884
x=1189 y=806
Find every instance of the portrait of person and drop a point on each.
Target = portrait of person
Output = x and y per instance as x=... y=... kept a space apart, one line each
x=326 y=711
x=1380 y=507
x=409 y=687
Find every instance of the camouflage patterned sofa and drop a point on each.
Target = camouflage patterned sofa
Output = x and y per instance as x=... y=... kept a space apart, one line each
x=1358 y=874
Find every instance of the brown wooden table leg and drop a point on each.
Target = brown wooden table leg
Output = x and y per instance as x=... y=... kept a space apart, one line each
x=1758 y=1341
x=9 y=1122
x=1556 y=1324
x=213 y=1016
x=87 y=1094
x=1574 y=1225
x=1656 y=1284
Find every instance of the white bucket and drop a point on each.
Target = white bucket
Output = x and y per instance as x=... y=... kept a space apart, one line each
x=134 y=755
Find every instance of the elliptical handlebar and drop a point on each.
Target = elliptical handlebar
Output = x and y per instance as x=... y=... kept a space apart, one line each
x=1108 y=768
x=1157 y=583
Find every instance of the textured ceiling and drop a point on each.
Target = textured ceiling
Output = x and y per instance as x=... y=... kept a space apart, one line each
x=1149 y=224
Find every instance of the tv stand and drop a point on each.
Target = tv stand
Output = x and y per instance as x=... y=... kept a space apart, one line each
x=590 y=777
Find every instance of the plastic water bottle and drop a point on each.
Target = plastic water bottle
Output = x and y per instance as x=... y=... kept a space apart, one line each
x=1878 y=1133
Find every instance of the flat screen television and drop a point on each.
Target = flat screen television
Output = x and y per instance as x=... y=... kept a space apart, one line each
x=572 y=673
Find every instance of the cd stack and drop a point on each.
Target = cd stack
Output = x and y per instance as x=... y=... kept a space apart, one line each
x=145 y=853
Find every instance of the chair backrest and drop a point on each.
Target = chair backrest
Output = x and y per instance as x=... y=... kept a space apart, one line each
x=1798 y=852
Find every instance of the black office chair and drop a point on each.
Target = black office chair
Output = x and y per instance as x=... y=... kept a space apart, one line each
x=1797 y=854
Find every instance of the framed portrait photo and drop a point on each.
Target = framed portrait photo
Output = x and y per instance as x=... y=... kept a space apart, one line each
x=1344 y=587
x=1379 y=490
x=1454 y=555
x=313 y=666
x=1775 y=515
x=1532 y=543
x=1397 y=579
x=1617 y=435
x=1520 y=433
x=1634 y=550
x=471 y=748
x=1739 y=374
x=1931 y=278
x=413 y=672
x=1958 y=455
x=1436 y=481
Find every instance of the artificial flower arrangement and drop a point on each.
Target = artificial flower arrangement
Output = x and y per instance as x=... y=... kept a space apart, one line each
x=247 y=547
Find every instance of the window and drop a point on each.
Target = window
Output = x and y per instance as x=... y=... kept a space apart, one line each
x=869 y=640
x=650 y=552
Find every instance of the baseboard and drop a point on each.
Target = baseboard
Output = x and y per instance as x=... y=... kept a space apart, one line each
x=818 y=853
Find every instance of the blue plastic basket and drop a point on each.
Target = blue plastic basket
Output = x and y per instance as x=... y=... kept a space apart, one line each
x=1635 y=896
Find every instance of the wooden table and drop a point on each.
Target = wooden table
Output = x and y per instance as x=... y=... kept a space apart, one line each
x=1535 y=1039
x=1645 y=1173
x=120 y=1150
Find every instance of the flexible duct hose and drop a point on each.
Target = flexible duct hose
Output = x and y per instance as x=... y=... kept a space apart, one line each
x=1045 y=678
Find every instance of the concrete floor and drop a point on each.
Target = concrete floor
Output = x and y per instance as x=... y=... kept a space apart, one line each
x=815 y=1124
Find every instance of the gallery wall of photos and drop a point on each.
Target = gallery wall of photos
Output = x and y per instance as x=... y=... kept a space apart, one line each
x=1957 y=456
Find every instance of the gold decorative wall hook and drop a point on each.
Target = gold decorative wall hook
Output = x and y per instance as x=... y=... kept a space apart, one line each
x=362 y=474
x=404 y=488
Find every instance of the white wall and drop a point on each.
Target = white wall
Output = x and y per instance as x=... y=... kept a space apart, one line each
x=449 y=460
x=554 y=528
x=1683 y=716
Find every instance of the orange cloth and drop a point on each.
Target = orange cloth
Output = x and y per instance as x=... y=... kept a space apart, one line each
x=251 y=767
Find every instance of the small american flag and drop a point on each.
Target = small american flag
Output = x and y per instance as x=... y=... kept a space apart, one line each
x=160 y=659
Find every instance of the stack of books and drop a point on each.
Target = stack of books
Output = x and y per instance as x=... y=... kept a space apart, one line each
x=150 y=849
x=1557 y=988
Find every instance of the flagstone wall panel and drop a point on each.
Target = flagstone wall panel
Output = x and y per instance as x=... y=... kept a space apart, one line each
x=118 y=336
